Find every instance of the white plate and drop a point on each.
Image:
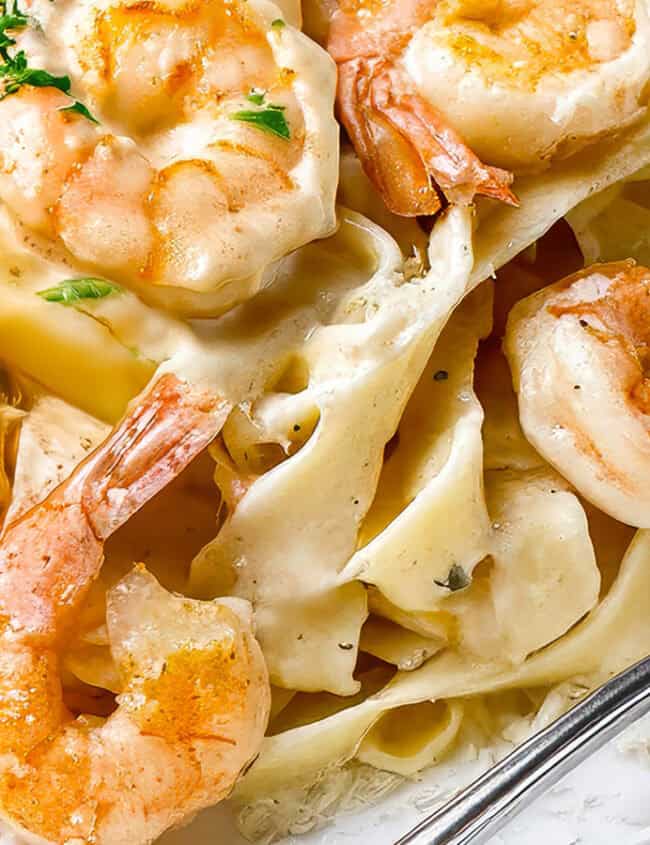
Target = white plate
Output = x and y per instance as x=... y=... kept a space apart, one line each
x=606 y=801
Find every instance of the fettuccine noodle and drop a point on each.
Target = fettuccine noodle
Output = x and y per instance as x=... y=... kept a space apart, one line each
x=379 y=459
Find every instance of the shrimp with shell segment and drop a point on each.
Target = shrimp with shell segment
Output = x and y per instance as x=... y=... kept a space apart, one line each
x=407 y=147
x=195 y=694
x=579 y=351
x=431 y=89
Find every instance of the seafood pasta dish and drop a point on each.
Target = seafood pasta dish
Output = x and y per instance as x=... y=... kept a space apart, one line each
x=324 y=396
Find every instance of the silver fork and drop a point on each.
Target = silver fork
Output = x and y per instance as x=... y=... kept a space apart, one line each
x=482 y=809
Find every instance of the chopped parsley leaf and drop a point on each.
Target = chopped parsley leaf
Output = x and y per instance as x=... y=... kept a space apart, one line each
x=278 y=23
x=79 y=108
x=457 y=579
x=73 y=290
x=256 y=96
x=16 y=20
x=16 y=73
x=269 y=119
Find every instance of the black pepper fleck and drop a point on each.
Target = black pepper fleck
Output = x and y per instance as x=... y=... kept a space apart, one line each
x=441 y=375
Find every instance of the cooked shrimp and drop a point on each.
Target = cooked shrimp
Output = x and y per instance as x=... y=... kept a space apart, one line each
x=430 y=88
x=579 y=352
x=195 y=694
x=214 y=155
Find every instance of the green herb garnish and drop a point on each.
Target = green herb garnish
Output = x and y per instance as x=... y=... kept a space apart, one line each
x=15 y=71
x=79 y=108
x=278 y=23
x=457 y=579
x=73 y=290
x=269 y=119
x=14 y=21
x=256 y=96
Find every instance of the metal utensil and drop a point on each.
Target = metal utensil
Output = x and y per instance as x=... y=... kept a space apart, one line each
x=487 y=805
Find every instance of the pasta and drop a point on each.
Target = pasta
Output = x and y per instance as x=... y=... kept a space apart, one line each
x=621 y=617
x=350 y=438
x=356 y=344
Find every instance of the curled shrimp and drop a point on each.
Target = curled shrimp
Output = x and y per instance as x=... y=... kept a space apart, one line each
x=430 y=89
x=407 y=146
x=200 y=147
x=195 y=696
x=579 y=352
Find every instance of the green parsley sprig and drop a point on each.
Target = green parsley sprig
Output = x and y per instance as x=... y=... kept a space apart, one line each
x=15 y=70
x=8 y=22
x=79 y=108
x=269 y=117
x=256 y=96
x=16 y=19
x=71 y=291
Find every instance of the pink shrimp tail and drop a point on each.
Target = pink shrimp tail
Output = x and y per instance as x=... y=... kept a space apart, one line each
x=51 y=554
x=148 y=449
x=407 y=147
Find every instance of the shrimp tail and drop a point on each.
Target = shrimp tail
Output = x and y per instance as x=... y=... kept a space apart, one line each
x=150 y=447
x=167 y=427
x=407 y=147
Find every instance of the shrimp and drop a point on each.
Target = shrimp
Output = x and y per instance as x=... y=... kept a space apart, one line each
x=202 y=146
x=194 y=695
x=407 y=147
x=579 y=351
x=429 y=89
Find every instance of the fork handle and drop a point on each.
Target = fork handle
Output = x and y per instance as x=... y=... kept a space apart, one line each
x=482 y=809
